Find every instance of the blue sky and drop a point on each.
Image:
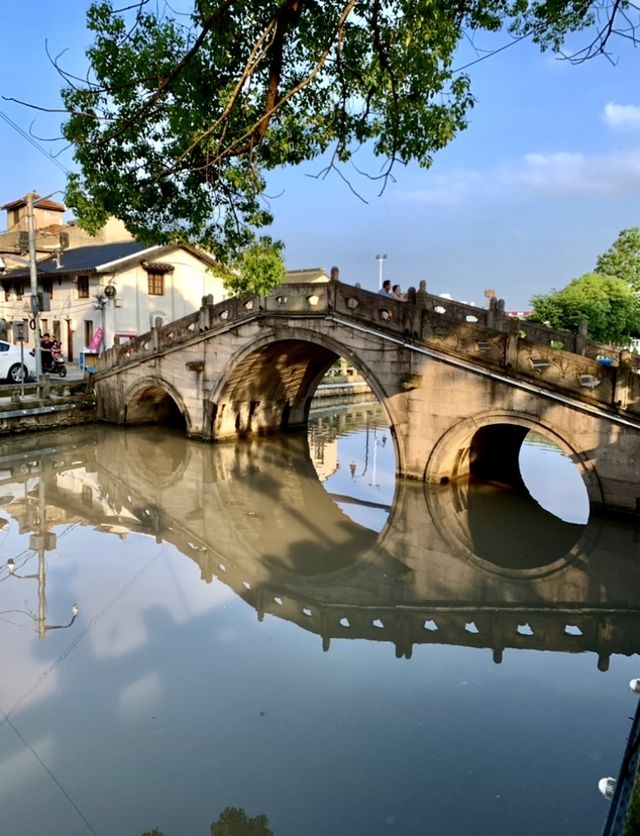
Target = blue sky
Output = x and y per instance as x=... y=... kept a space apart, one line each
x=541 y=182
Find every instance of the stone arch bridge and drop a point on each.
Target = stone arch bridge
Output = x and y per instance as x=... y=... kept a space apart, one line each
x=461 y=386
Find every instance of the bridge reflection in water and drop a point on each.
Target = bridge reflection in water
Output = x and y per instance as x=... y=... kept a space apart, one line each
x=459 y=565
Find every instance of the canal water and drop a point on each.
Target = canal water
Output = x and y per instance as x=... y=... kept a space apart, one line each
x=275 y=637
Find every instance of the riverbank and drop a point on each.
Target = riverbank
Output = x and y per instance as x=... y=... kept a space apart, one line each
x=69 y=401
x=55 y=402
x=343 y=392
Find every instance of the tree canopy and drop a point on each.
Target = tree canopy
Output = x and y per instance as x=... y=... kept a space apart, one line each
x=609 y=306
x=622 y=259
x=181 y=116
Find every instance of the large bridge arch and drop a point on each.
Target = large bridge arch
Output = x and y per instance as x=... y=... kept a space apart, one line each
x=488 y=445
x=269 y=384
x=153 y=400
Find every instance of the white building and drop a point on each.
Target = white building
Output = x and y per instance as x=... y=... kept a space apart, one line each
x=116 y=285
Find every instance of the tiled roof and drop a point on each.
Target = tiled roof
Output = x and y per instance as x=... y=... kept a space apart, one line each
x=82 y=259
x=157 y=267
x=42 y=203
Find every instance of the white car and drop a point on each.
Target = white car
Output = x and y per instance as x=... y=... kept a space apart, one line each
x=12 y=367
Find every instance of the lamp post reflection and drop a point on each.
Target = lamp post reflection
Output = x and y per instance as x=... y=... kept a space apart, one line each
x=41 y=618
x=371 y=444
x=41 y=542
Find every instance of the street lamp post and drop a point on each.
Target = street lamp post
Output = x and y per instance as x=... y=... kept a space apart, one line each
x=380 y=259
x=103 y=297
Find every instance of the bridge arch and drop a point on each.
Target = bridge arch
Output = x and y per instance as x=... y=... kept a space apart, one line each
x=269 y=384
x=153 y=400
x=488 y=446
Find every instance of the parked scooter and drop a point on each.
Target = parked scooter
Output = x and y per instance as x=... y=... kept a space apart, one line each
x=57 y=365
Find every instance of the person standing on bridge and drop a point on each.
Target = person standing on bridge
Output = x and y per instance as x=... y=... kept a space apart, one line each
x=398 y=294
x=385 y=290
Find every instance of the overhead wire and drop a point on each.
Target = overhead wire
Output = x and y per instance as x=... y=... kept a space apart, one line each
x=34 y=142
x=5 y=716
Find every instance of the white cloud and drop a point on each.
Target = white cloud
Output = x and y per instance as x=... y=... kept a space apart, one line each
x=560 y=174
x=622 y=117
x=575 y=175
x=449 y=189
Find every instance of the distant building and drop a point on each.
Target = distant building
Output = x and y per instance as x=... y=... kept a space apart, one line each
x=310 y=275
x=518 y=314
x=52 y=233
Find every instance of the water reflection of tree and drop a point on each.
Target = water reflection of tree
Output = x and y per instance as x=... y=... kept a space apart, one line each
x=233 y=821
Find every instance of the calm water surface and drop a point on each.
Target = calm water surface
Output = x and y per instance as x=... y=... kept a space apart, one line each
x=276 y=626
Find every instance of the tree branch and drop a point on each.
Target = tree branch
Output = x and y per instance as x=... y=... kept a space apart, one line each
x=240 y=145
x=164 y=85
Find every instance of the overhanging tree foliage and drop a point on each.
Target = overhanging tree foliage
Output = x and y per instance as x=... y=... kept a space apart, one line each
x=622 y=259
x=181 y=116
x=609 y=306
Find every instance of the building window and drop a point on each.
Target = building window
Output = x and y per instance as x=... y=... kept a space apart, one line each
x=19 y=289
x=83 y=287
x=47 y=287
x=86 y=494
x=88 y=332
x=156 y=284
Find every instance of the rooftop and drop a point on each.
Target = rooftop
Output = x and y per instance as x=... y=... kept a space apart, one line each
x=83 y=259
x=42 y=204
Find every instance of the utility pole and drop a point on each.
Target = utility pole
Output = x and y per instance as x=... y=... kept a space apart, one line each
x=33 y=269
x=380 y=259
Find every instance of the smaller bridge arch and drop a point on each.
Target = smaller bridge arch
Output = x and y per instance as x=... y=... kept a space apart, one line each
x=153 y=400
x=488 y=445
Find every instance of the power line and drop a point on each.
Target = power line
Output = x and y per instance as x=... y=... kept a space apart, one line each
x=33 y=142
x=5 y=716
x=492 y=52
x=49 y=772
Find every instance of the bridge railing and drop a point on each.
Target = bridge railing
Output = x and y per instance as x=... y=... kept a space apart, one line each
x=302 y=299
x=387 y=310
x=569 y=363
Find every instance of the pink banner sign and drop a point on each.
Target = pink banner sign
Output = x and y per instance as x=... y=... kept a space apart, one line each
x=94 y=345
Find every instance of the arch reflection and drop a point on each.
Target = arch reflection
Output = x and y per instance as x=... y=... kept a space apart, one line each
x=254 y=515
